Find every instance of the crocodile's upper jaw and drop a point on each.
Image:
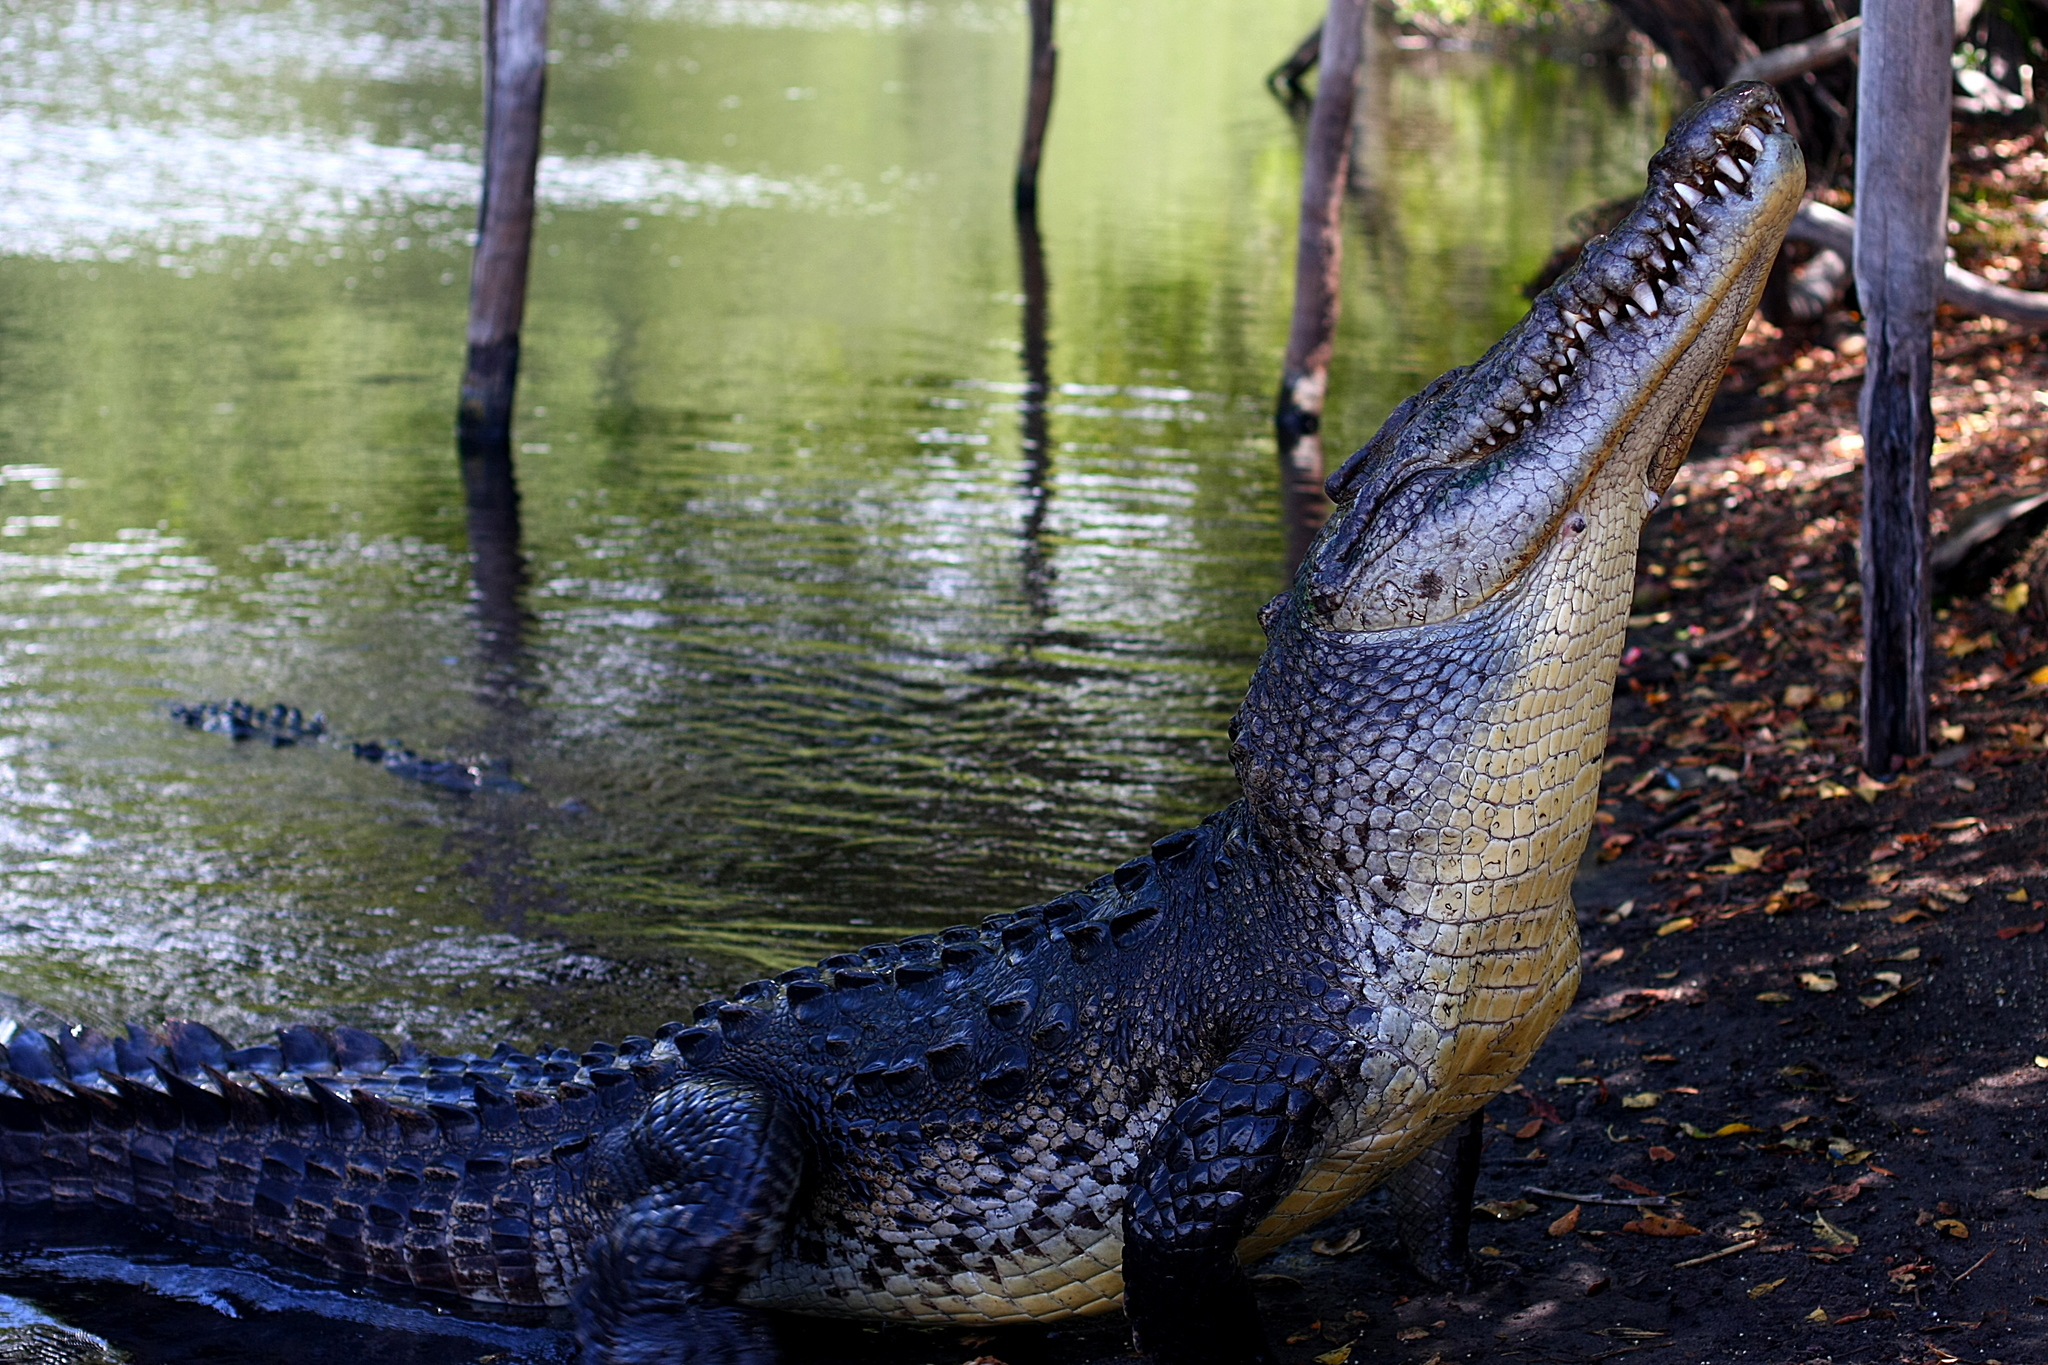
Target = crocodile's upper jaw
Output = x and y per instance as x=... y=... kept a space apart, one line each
x=1424 y=734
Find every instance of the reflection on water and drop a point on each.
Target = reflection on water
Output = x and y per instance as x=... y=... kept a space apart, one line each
x=840 y=610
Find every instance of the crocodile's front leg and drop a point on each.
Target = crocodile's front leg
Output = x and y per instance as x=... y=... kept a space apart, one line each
x=694 y=1197
x=1214 y=1168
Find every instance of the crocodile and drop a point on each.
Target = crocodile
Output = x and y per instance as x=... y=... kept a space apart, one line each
x=1121 y=1096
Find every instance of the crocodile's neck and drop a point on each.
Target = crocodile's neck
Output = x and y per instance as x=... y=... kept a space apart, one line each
x=1448 y=830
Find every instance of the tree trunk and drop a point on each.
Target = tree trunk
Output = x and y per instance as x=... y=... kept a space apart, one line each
x=1699 y=36
x=515 y=72
x=1305 y=374
x=1901 y=234
x=1037 y=105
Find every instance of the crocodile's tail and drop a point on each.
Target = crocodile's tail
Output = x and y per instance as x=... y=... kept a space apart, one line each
x=459 y=1175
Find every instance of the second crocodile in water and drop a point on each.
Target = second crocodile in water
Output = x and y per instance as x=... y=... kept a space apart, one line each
x=1118 y=1097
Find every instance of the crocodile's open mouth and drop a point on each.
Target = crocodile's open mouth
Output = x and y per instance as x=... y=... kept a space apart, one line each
x=1607 y=377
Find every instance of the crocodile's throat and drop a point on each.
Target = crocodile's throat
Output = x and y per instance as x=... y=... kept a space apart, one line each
x=1422 y=741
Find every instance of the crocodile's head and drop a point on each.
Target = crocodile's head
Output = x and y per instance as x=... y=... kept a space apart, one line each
x=1424 y=734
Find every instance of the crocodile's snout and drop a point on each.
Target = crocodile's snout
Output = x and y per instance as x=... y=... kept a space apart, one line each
x=1606 y=379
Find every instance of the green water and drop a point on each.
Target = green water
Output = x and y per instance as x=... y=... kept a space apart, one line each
x=792 y=677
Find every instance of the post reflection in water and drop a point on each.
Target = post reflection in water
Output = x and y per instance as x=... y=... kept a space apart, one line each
x=497 y=569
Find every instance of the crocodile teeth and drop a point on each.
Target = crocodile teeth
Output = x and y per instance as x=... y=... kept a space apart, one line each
x=1573 y=355
x=1723 y=189
x=1665 y=238
x=1571 y=319
x=1526 y=408
x=1659 y=260
x=1730 y=167
x=1752 y=137
x=1650 y=499
x=1606 y=318
x=1549 y=386
x=1584 y=329
x=1508 y=427
x=1691 y=196
x=1646 y=299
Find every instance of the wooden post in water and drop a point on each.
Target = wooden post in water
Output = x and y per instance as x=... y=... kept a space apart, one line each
x=1045 y=60
x=1902 y=139
x=1305 y=374
x=1034 y=430
x=515 y=79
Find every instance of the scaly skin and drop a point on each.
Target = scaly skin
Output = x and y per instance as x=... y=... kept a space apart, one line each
x=1117 y=1097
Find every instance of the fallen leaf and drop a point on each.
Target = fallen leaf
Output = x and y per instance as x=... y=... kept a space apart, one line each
x=2041 y=1061
x=1725 y=1130
x=2013 y=931
x=1823 y=982
x=1954 y=1227
x=1568 y=1223
x=1610 y=957
x=1661 y=1154
x=1343 y=1353
x=1642 y=1099
x=1323 y=1246
x=1622 y=1182
x=1857 y=1316
x=1529 y=1129
x=1832 y=1235
x=1799 y=696
x=1758 y=1291
x=1871 y=1002
x=1505 y=1210
x=1908 y=955
x=1405 y=1334
x=1751 y=858
x=2018 y=893
x=2039 y=677
x=2041 y=1193
x=1774 y=997
x=1657 y=1225
x=1869 y=788
x=1818 y=1315
x=1872 y=903
x=1676 y=926
x=1840 y=1194
x=1908 y=916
